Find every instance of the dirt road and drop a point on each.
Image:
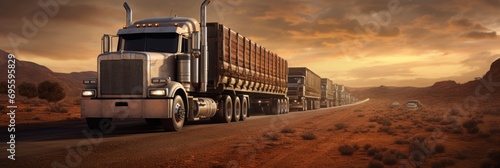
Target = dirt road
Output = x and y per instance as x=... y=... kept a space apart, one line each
x=133 y=142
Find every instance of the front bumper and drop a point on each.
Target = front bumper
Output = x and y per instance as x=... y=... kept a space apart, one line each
x=126 y=108
x=296 y=105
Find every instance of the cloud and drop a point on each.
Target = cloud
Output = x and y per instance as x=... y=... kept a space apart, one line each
x=480 y=35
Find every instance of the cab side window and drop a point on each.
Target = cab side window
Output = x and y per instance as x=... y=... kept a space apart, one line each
x=185 y=45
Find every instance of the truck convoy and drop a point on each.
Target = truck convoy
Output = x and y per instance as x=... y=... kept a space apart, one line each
x=327 y=93
x=304 y=89
x=169 y=70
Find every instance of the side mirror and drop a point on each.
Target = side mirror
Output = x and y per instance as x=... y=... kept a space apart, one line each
x=107 y=43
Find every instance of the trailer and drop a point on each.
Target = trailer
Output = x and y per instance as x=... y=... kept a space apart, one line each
x=304 y=89
x=169 y=70
x=327 y=93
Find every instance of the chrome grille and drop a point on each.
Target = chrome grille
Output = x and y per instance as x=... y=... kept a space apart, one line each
x=121 y=77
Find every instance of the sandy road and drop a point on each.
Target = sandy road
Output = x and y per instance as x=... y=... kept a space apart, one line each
x=133 y=143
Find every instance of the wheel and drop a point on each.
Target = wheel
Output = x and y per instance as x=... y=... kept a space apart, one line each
x=101 y=124
x=225 y=112
x=304 y=105
x=236 y=109
x=244 y=109
x=275 y=107
x=178 y=114
x=287 y=106
x=153 y=121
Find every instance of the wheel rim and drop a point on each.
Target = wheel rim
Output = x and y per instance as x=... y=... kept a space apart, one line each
x=237 y=109
x=178 y=111
x=244 y=108
x=228 y=108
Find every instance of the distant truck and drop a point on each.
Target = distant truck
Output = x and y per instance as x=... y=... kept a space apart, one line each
x=304 y=89
x=169 y=70
x=327 y=93
x=339 y=95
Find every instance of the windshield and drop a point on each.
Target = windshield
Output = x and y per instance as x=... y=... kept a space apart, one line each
x=295 y=80
x=151 y=42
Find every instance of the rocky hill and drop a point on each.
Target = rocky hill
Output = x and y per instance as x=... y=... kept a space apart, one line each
x=32 y=72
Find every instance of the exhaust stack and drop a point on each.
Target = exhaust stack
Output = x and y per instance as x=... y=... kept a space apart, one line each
x=204 y=47
x=128 y=22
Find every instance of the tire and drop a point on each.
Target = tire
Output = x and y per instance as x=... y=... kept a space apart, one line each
x=153 y=121
x=304 y=105
x=225 y=113
x=244 y=109
x=178 y=115
x=287 y=106
x=275 y=107
x=236 y=109
x=101 y=124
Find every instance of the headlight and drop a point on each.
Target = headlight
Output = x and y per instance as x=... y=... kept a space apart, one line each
x=295 y=101
x=88 y=93
x=157 y=92
x=260 y=101
x=90 y=81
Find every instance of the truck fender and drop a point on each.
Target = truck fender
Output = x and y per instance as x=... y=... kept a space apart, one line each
x=176 y=87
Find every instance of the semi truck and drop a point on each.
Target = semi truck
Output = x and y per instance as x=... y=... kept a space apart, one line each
x=304 y=89
x=327 y=93
x=170 y=70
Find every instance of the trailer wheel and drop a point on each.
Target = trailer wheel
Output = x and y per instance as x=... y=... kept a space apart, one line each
x=236 y=109
x=178 y=112
x=244 y=109
x=304 y=105
x=287 y=107
x=225 y=112
x=275 y=107
x=282 y=106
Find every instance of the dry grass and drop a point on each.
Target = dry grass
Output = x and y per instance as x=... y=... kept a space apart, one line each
x=346 y=150
x=308 y=136
x=375 y=164
x=287 y=130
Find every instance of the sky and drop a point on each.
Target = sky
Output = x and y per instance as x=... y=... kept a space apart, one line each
x=358 y=43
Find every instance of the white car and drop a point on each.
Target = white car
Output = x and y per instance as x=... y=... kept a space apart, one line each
x=411 y=106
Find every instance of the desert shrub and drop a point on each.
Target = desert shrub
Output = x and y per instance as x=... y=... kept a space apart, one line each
x=340 y=126
x=384 y=122
x=401 y=141
x=484 y=134
x=448 y=121
x=287 y=130
x=494 y=156
x=378 y=156
x=389 y=159
x=373 y=119
x=443 y=163
x=430 y=129
x=385 y=129
x=361 y=115
x=455 y=111
x=371 y=126
x=439 y=148
x=308 y=136
x=346 y=150
x=56 y=107
x=50 y=91
x=372 y=151
x=28 y=90
x=367 y=146
x=471 y=126
x=355 y=146
x=375 y=164
x=271 y=136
